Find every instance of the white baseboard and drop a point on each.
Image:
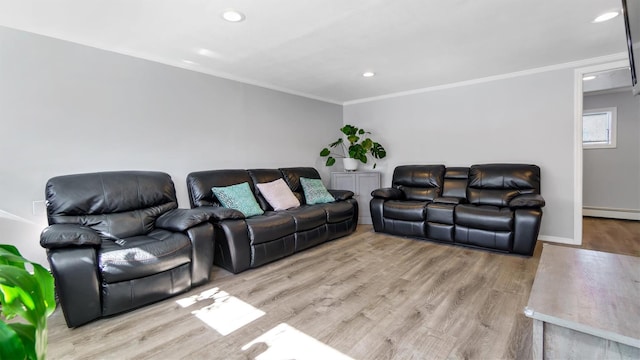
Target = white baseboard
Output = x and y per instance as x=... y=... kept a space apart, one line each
x=624 y=214
x=559 y=240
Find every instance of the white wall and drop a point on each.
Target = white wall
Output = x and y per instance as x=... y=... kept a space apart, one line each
x=67 y=108
x=612 y=176
x=528 y=119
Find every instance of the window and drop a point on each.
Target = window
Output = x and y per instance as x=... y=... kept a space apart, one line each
x=599 y=128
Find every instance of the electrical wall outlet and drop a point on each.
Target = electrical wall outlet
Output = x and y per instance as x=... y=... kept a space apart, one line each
x=39 y=207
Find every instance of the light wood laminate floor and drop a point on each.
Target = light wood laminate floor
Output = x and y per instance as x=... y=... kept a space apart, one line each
x=366 y=296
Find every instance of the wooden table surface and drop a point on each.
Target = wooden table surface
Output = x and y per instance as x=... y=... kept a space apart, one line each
x=589 y=291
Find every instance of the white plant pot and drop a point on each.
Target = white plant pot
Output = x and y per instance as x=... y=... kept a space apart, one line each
x=350 y=164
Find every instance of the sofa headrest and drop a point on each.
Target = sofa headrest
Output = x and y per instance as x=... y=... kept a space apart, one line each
x=115 y=204
x=292 y=177
x=419 y=182
x=457 y=173
x=108 y=192
x=199 y=184
x=497 y=184
x=455 y=182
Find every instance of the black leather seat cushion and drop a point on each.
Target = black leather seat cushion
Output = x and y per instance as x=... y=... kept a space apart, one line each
x=270 y=226
x=405 y=210
x=338 y=211
x=484 y=217
x=142 y=256
x=440 y=213
x=308 y=217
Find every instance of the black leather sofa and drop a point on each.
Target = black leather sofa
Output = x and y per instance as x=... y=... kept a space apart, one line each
x=116 y=241
x=491 y=206
x=244 y=243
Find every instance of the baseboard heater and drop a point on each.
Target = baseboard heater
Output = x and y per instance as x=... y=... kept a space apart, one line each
x=625 y=214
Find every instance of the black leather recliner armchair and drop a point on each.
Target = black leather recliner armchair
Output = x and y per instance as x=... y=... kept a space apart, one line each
x=117 y=241
x=493 y=206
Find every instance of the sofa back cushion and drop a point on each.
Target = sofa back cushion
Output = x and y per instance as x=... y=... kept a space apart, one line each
x=292 y=178
x=116 y=204
x=419 y=182
x=199 y=184
x=455 y=182
x=261 y=176
x=497 y=184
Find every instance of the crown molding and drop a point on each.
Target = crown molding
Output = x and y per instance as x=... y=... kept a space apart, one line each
x=568 y=65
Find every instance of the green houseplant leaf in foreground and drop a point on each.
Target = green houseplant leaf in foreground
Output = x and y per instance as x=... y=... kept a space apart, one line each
x=29 y=296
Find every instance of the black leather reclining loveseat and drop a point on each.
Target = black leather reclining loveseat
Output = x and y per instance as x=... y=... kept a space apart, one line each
x=493 y=206
x=244 y=243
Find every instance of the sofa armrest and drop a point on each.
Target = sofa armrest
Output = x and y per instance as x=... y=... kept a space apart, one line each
x=449 y=200
x=181 y=220
x=341 y=195
x=75 y=270
x=220 y=213
x=527 y=201
x=68 y=235
x=388 y=194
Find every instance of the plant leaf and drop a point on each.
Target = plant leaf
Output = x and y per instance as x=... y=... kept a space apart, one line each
x=330 y=161
x=378 y=151
x=44 y=278
x=19 y=289
x=353 y=139
x=367 y=144
x=27 y=335
x=29 y=295
x=349 y=130
x=9 y=255
x=325 y=152
x=11 y=346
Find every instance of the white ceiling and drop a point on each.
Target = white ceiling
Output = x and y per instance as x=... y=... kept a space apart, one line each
x=608 y=80
x=320 y=48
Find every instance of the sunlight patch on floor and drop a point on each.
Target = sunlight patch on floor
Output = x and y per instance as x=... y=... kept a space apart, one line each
x=226 y=314
x=287 y=342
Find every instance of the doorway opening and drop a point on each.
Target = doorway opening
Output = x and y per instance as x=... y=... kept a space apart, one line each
x=593 y=85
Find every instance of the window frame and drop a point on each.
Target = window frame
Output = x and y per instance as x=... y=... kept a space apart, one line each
x=613 y=128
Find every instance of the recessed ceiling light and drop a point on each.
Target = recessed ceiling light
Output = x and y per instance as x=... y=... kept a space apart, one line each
x=587 y=78
x=209 y=53
x=606 y=16
x=232 y=15
x=205 y=52
x=368 y=74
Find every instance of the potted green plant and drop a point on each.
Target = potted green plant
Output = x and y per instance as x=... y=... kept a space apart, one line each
x=359 y=146
x=28 y=295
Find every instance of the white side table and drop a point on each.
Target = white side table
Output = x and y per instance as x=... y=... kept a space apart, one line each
x=362 y=183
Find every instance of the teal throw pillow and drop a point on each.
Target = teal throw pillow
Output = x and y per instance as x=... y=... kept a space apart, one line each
x=239 y=197
x=315 y=192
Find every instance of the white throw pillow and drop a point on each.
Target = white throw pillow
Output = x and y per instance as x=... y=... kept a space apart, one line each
x=278 y=195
